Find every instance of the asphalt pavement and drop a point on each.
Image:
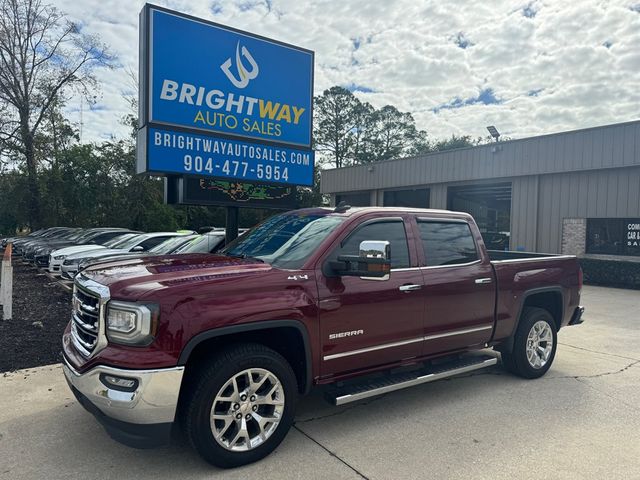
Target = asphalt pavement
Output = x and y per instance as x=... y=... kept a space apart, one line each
x=580 y=421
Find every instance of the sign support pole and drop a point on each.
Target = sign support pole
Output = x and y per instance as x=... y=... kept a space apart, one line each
x=171 y=190
x=232 y=224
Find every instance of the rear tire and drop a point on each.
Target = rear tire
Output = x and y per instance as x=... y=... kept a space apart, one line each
x=239 y=406
x=534 y=345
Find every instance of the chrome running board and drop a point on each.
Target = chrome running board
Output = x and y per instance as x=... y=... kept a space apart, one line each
x=392 y=382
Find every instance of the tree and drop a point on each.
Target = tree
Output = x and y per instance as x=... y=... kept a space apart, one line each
x=394 y=134
x=42 y=55
x=348 y=131
x=335 y=118
x=455 y=142
x=363 y=132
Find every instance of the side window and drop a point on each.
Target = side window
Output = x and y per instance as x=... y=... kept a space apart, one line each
x=392 y=231
x=447 y=243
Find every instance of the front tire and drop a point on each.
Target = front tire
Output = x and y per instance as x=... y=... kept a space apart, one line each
x=534 y=346
x=240 y=406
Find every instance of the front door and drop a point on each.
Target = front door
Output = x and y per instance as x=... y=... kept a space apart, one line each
x=365 y=323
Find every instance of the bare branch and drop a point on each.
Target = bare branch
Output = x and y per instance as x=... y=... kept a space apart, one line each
x=42 y=56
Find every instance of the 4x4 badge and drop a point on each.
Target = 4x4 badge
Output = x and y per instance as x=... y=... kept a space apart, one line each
x=298 y=277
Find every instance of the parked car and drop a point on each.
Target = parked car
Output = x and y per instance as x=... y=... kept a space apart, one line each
x=16 y=241
x=210 y=242
x=94 y=239
x=41 y=255
x=63 y=238
x=362 y=300
x=167 y=247
x=20 y=245
x=34 y=234
x=138 y=244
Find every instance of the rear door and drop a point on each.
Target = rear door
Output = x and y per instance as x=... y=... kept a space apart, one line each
x=459 y=286
x=365 y=323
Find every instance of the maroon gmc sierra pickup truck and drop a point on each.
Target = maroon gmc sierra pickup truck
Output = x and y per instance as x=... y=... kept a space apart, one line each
x=361 y=300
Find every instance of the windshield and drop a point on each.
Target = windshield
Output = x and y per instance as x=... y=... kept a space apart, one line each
x=76 y=236
x=204 y=244
x=51 y=234
x=114 y=242
x=286 y=240
x=129 y=242
x=63 y=235
x=168 y=246
x=86 y=236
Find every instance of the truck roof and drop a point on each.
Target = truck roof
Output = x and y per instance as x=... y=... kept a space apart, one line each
x=351 y=211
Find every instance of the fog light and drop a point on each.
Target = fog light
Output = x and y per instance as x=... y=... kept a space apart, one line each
x=119 y=383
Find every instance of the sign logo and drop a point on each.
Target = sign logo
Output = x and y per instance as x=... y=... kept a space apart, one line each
x=244 y=74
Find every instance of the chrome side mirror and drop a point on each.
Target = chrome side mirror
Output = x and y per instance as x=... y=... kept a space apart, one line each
x=375 y=249
x=378 y=250
x=372 y=263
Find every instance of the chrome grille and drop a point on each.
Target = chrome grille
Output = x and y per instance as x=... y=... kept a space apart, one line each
x=85 y=321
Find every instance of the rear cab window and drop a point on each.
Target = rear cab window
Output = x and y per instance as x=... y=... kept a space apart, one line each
x=447 y=243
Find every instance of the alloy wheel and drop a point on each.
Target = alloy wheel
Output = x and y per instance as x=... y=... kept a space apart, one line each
x=539 y=344
x=247 y=410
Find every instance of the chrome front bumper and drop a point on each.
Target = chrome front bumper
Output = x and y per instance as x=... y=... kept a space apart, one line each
x=153 y=401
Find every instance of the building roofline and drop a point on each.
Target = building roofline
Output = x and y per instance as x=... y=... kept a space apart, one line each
x=488 y=145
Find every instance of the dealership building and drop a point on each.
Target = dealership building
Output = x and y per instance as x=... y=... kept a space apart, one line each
x=574 y=192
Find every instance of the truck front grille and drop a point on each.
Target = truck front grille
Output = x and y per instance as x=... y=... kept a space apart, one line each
x=85 y=321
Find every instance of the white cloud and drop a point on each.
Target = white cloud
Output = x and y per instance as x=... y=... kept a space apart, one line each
x=552 y=65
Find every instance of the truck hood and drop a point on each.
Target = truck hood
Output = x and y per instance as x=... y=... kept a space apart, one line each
x=130 y=279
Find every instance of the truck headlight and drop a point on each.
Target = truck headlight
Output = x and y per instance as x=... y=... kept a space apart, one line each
x=131 y=323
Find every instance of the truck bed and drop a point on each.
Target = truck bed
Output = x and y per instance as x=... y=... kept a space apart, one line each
x=518 y=274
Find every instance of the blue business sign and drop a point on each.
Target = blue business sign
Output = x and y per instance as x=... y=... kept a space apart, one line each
x=204 y=155
x=203 y=81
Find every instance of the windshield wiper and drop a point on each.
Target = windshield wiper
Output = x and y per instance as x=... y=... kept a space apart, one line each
x=244 y=256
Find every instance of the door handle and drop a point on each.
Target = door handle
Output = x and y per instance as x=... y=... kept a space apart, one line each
x=409 y=288
x=483 y=280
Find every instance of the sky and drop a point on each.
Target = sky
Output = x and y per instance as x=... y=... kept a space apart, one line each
x=527 y=67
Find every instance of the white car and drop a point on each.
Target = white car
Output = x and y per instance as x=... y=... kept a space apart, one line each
x=137 y=243
x=57 y=257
